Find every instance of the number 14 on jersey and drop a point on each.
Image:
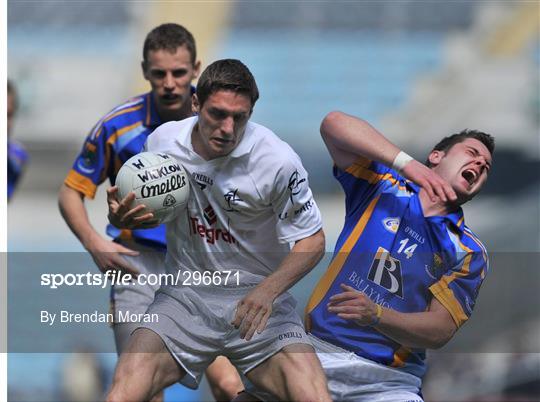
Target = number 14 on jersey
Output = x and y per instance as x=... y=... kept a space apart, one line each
x=408 y=251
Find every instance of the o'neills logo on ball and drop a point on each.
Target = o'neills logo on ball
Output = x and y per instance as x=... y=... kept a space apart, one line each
x=158 y=173
x=172 y=183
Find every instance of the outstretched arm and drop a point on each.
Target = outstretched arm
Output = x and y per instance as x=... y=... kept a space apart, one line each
x=348 y=138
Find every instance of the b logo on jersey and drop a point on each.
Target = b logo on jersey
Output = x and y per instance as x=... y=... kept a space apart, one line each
x=391 y=224
x=385 y=271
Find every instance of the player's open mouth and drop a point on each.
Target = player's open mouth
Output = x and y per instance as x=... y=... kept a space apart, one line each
x=470 y=175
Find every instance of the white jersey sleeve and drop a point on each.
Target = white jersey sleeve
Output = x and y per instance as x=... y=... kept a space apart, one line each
x=298 y=214
x=282 y=180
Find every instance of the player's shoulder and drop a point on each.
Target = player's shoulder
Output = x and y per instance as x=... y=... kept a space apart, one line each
x=16 y=146
x=268 y=148
x=16 y=152
x=128 y=110
x=170 y=132
x=270 y=162
x=127 y=114
x=472 y=242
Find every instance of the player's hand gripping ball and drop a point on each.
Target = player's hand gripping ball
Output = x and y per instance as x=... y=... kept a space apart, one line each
x=158 y=181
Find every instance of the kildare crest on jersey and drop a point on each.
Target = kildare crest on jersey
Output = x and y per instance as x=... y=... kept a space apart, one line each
x=385 y=271
x=295 y=185
x=232 y=199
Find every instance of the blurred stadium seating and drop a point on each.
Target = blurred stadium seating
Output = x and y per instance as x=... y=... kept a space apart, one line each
x=417 y=70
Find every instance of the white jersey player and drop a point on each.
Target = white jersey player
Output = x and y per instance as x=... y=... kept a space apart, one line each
x=244 y=209
x=250 y=202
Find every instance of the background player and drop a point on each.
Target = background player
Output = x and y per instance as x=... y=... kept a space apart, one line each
x=17 y=157
x=254 y=203
x=406 y=269
x=169 y=65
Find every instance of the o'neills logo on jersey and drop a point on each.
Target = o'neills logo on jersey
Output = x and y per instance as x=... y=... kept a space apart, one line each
x=211 y=235
x=289 y=335
x=202 y=180
x=172 y=183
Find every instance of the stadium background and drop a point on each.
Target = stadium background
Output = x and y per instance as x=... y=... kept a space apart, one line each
x=416 y=70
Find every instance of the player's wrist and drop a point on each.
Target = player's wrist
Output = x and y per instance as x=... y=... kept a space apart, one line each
x=377 y=317
x=89 y=240
x=401 y=160
x=92 y=242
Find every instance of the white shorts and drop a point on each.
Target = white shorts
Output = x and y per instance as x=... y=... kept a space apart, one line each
x=352 y=378
x=195 y=325
x=355 y=379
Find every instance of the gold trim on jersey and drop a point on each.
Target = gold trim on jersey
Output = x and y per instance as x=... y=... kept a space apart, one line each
x=337 y=263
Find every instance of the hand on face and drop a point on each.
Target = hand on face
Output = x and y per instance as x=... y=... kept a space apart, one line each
x=435 y=186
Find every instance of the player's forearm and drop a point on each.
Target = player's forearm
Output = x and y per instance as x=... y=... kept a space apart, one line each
x=71 y=204
x=348 y=137
x=426 y=330
x=304 y=255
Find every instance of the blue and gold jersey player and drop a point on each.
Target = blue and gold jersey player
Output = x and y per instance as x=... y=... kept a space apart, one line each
x=406 y=269
x=17 y=156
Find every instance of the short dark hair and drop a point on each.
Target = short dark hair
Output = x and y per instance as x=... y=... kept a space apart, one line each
x=229 y=75
x=169 y=37
x=448 y=142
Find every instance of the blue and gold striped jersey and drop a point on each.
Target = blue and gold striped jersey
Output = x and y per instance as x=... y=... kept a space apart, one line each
x=399 y=259
x=114 y=139
x=17 y=159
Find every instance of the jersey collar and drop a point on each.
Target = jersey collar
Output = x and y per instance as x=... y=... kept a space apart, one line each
x=184 y=137
x=246 y=144
x=456 y=218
